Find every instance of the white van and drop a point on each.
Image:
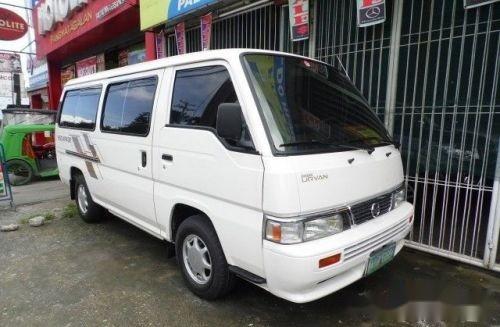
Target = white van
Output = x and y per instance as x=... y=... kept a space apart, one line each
x=257 y=164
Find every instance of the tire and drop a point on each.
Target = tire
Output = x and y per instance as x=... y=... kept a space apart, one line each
x=89 y=211
x=220 y=280
x=19 y=171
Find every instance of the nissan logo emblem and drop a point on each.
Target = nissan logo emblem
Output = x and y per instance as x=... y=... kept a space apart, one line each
x=372 y=12
x=375 y=210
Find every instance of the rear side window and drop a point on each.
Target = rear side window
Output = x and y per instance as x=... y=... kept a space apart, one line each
x=128 y=106
x=198 y=93
x=79 y=109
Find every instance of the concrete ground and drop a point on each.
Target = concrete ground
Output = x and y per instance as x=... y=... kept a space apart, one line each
x=38 y=191
x=68 y=273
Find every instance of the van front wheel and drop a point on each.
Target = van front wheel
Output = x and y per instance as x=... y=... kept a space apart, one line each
x=203 y=264
x=90 y=211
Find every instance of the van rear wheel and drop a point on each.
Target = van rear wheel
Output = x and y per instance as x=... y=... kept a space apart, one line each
x=89 y=211
x=203 y=264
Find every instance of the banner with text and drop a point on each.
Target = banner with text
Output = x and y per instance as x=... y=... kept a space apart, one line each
x=180 y=37
x=299 y=19
x=370 y=12
x=86 y=66
x=206 y=31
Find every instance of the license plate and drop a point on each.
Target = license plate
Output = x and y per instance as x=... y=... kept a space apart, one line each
x=380 y=257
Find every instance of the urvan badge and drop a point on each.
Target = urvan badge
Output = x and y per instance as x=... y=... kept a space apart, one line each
x=306 y=178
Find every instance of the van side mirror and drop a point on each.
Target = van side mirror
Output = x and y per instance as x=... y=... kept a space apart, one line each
x=229 y=121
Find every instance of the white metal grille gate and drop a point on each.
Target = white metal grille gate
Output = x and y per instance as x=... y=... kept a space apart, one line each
x=445 y=112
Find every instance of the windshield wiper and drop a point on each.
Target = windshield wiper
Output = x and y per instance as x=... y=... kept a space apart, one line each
x=340 y=145
x=382 y=142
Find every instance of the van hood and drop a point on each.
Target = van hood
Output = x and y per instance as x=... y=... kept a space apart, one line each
x=303 y=184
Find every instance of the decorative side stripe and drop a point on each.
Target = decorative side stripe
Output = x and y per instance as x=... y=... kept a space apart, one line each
x=83 y=156
x=90 y=168
x=90 y=146
x=77 y=144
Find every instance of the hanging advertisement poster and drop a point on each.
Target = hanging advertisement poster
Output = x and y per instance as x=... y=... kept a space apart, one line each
x=101 y=66
x=180 y=37
x=86 y=66
x=370 y=12
x=476 y=3
x=206 y=31
x=161 y=45
x=123 y=58
x=299 y=19
x=67 y=73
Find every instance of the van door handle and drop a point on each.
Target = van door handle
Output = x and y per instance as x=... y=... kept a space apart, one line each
x=144 y=159
x=167 y=157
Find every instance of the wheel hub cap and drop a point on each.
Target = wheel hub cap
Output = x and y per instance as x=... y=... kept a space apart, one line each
x=197 y=259
x=82 y=199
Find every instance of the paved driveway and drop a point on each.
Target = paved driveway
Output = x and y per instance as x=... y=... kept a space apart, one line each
x=68 y=273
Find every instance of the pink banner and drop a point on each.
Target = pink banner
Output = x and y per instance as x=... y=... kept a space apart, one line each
x=180 y=36
x=161 y=46
x=206 y=31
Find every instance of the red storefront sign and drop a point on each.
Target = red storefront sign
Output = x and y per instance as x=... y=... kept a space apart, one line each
x=51 y=35
x=86 y=66
x=12 y=26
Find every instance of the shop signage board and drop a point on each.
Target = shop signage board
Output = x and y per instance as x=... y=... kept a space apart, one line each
x=58 y=22
x=370 y=12
x=180 y=37
x=299 y=19
x=155 y=12
x=206 y=31
x=476 y=3
x=87 y=66
x=12 y=26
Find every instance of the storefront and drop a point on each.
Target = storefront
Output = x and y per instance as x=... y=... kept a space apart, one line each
x=79 y=37
x=38 y=91
x=430 y=70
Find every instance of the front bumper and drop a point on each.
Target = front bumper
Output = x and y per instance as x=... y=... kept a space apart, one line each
x=292 y=271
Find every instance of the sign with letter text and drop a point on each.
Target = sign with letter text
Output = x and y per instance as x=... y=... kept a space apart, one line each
x=86 y=66
x=370 y=12
x=180 y=37
x=299 y=19
x=206 y=31
x=12 y=26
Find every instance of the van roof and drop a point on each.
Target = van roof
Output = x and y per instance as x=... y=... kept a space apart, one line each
x=169 y=61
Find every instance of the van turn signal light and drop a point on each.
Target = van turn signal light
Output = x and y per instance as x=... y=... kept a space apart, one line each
x=329 y=260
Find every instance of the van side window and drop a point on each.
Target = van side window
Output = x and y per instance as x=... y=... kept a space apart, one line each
x=198 y=93
x=128 y=106
x=79 y=109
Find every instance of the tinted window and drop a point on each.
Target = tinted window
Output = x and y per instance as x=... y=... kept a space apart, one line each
x=79 y=108
x=128 y=106
x=198 y=93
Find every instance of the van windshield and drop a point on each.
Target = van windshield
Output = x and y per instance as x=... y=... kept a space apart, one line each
x=311 y=107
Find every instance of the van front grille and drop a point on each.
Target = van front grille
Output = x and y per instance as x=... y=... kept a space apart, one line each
x=367 y=210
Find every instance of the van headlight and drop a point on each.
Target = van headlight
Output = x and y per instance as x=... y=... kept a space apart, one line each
x=398 y=197
x=303 y=229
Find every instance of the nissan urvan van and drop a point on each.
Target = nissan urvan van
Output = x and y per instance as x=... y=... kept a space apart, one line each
x=263 y=165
